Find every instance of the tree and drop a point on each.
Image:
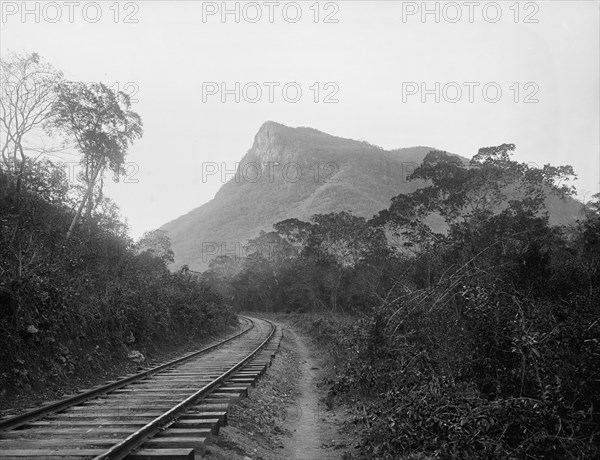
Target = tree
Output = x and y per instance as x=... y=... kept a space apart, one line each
x=157 y=243
x=294 y=230
x=483 y=209
x=102 y=126
x=28 y=90
x=272 y=247
x=490 y=183
x=344 y=238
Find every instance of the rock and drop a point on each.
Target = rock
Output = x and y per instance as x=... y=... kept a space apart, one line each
x=130 y=338
x=32 y=329
x=136 y=356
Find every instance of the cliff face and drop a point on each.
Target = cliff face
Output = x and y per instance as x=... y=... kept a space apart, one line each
x=293 y=172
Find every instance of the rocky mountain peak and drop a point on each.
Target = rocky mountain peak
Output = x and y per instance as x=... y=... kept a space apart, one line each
x=282 y=144
x=269 y=144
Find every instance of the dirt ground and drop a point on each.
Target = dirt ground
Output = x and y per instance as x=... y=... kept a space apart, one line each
x=285 y=416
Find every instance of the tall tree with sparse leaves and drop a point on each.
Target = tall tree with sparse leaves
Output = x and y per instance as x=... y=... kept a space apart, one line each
x=102 y=126
x=28 y=89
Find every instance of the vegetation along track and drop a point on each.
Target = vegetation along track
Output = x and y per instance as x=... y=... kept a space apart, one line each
x=166 y=412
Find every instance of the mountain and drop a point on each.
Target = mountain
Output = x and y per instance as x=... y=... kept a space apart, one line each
x=296 y=172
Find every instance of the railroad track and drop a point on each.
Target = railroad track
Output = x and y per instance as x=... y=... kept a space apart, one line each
x=166 y=412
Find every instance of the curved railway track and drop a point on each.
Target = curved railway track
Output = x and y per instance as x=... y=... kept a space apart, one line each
x=166 y=412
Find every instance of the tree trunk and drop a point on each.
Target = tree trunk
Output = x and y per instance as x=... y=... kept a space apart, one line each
x=88 y=210
x=87 y=195
x=19 y=173
x=21 y=168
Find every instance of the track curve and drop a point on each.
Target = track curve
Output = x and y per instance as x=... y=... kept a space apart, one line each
x=163 y=412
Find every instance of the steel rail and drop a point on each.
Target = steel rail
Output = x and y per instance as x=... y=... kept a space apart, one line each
x=62 y=404
x=135 y=440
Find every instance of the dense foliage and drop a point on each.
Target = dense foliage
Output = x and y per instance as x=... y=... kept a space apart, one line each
x=478 y=341
x=75 y=290
x=68 y=304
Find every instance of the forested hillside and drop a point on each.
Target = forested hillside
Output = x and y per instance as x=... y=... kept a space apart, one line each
x=76 y=293
x=479 y=341
x=297 y=173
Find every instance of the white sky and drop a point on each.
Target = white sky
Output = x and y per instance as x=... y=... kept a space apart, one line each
x=369 y=53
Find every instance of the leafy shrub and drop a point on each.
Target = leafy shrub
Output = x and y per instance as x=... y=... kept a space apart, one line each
x=69 y=305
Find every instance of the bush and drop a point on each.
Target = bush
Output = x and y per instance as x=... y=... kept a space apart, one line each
x=69 y=305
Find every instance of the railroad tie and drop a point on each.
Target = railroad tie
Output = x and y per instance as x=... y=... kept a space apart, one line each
x=165 y=412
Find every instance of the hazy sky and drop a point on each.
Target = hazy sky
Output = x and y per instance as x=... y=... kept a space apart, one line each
x=375 y=61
